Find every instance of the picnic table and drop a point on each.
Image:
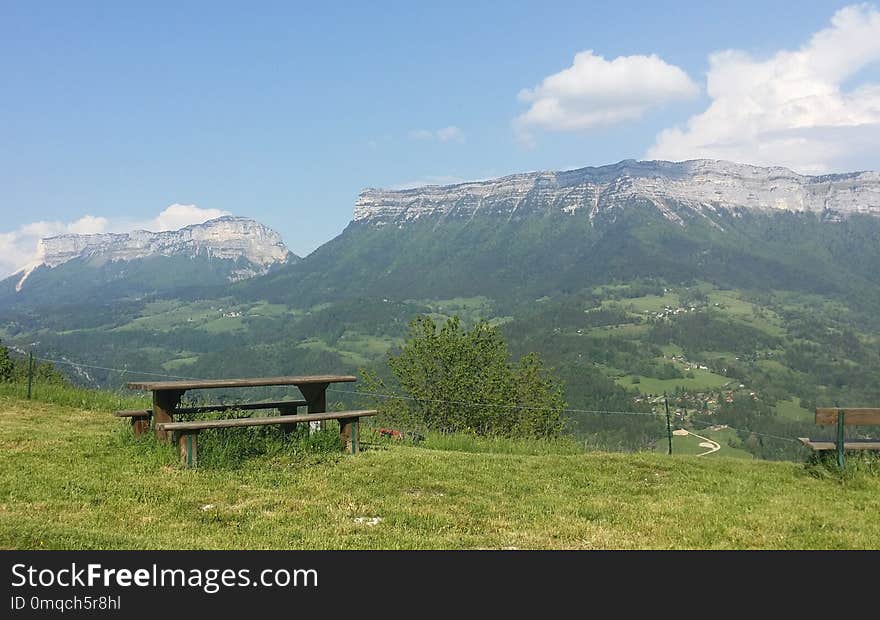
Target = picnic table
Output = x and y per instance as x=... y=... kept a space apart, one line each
x=167 y=394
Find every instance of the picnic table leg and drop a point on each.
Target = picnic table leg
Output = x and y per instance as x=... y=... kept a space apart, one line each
x=140 y=425
x=288 y=410
x=349 y=431
x=164 y=404
x=187 y=442
x=316 y=397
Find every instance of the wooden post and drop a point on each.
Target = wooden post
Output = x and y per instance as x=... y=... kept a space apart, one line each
x=316 y=397
x=30 y=372
x=287 y=410
x=164 y=404
x=668 y=423
x=187 y=442
x=349 y=431
x=840 y=438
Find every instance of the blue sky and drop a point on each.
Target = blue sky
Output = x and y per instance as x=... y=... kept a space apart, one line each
x=284 y=112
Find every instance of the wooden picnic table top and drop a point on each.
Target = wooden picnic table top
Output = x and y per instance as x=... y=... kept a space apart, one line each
x=198 y=384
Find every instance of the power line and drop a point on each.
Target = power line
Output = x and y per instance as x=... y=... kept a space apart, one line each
x=122 y=370
x=740 y=430
x=372 y=394
x=418 y=400
x=500 y=406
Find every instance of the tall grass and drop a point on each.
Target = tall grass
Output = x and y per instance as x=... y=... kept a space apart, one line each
x=234 y=448
x=858 y=466
x=79 y=397
x=470 y=442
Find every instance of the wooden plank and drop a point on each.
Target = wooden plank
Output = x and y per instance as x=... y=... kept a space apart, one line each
x=283 y=419
x=201 y=384
x=241 y=406
x=854 y=416
x=146 y=413
x=820 y=445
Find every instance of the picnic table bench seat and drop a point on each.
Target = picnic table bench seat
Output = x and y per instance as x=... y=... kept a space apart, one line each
x=140 y=418
x=822 y=445
x=187 y=432
x=842 y=417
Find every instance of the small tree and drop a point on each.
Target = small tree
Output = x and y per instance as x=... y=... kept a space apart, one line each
x=462 y=380
x=7 y=366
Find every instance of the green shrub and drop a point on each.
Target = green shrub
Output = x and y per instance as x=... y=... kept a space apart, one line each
x=456 y=380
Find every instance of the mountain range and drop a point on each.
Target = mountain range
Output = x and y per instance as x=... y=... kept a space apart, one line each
x=529 y=235
x=578 y=224
x=748 y=293
x=700 y=186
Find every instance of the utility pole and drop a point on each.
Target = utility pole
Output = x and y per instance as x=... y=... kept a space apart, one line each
x=30 y=372
x=668 y=423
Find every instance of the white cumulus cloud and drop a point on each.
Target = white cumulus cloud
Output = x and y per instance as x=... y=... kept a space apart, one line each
x=445 y=134
x=177 y=216
x=793 y=108
x=19 y=247
x=594 y=91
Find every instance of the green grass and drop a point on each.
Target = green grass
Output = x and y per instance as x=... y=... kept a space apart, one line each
x=621 y=330
x=73 y=478
x=165 y=315
x=670 y=350
x=353 y=358
x=690 y=445
x=355 y=348
x=266 y=309
x=85 y=398
x=792 y=410
x=367 y=346
x=223 y=325
x=206 y=315
x=184 y=360
x=649 y=303
x=703 y=380
x=499 y=445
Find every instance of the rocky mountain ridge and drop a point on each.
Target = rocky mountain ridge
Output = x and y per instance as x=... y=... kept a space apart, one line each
x=699 y=185
x=225 y=238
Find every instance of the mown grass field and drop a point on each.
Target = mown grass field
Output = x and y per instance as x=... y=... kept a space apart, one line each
x=690 y=444
x=73 y=478
x=703 y=380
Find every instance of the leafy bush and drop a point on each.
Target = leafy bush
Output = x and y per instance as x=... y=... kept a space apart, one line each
x=463 y=380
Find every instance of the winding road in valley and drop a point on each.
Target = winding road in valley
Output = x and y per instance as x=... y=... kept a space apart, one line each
x=713 y=446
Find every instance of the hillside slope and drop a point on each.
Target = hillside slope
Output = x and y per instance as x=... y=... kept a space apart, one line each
x=71 y=479
x=528 y=235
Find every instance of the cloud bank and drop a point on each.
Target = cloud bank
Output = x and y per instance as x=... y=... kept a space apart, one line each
x=792 y=109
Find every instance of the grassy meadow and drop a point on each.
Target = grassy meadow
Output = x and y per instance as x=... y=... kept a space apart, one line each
x=73 y=477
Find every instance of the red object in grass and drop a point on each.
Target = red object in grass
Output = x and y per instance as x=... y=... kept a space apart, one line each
x=389 y=432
